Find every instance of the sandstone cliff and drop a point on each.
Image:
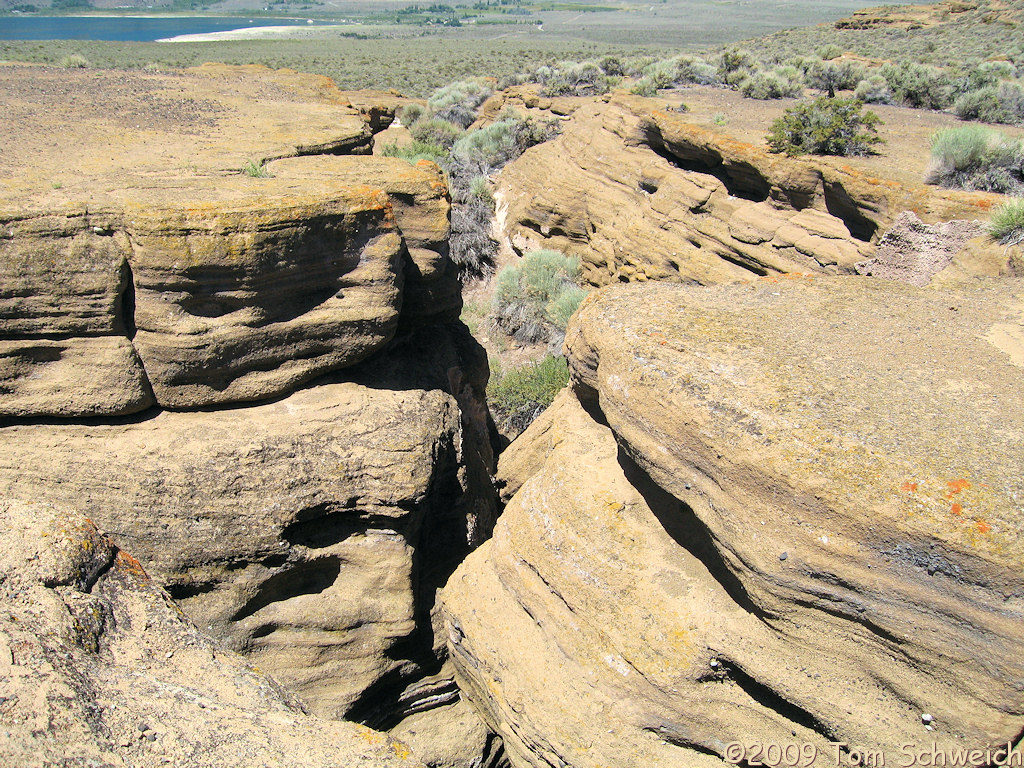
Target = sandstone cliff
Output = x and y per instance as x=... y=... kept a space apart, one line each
x=164 y=275
x=639 y=192
x=782 y=512
x=254 y=381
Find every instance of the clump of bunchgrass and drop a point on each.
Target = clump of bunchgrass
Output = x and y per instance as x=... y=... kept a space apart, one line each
x=74 y=61
x=256 y=170
x=519 y=395
x=974 y=157
x=1007 y=222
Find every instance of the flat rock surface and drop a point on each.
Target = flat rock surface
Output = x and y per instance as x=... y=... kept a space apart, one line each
x=73 y=136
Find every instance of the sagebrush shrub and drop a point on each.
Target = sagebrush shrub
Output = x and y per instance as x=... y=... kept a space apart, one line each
x=977 y=158
x=918 y=85
x=874 y=90
x=441 y=133
x=825 y=126
x=771 y=85
x=534 y=299
x=1003 y=103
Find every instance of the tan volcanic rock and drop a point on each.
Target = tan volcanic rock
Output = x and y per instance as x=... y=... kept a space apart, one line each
x=789 y=513
x=638 y=193
x=98 y=667
x=148 y=268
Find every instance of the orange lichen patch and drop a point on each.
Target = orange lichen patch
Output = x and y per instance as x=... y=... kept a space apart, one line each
x=956 y=509
x=128 y=564
x=402 y=751
x=908 y=486
x=956 y=486
x=982 y=526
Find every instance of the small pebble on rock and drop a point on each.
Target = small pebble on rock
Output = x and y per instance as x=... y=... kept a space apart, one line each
x=784 y=556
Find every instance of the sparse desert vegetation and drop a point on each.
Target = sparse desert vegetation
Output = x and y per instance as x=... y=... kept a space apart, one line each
x=1007 y=223
x=977 y=158
x=516 y=396
x=825 y=126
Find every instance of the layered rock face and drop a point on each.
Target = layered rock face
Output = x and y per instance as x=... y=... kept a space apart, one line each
x=100 y=668
x=149 y=283
x=782 y=512
x=638 y=193
x=255 y=382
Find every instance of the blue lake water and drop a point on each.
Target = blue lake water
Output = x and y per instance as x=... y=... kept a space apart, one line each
x=124 y=28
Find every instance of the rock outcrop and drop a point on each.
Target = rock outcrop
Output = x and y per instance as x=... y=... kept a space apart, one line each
x=256 y=382
x=639 y=193
x=165 y=275
x=98 y=667
x=780 y=512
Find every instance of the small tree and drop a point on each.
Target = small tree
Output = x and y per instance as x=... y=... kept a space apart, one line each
x=825 y=127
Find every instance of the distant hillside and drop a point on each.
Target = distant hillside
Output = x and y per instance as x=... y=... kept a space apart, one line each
x=942 y=34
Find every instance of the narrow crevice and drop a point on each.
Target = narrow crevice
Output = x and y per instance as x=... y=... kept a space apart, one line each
x=438 y=534
x=126 y=308
x=742 y=262
x=688 y=531
x=311 y=577
x=839 y=203
x=773 y=701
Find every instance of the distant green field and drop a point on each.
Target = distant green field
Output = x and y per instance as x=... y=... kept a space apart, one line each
x=393 y=48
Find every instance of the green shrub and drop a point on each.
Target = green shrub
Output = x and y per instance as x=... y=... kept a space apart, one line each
x=612 y=66
x=534 y=299
x=733 y=60
x=874 y=90
x=1002 y=103
x=770 y=85
x=1007 y=224
x=439 y=133
x=918 y=85
x=977 y=158
x=518 y=396
x=416 y=151
x=825 y=126
x=829 y=51
x=831 y=76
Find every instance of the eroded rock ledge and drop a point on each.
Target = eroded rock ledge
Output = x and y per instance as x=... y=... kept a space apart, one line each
x=100 y=668
x=150 y=270
x=783 y=511
x=639 y=193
